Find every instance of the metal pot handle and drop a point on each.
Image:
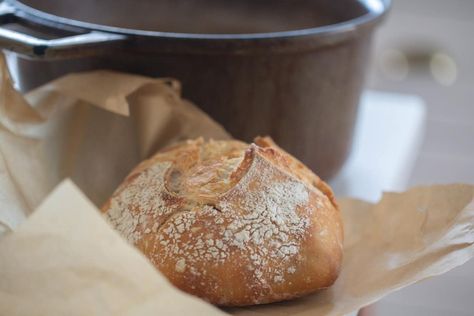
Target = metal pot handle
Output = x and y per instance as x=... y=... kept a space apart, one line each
x=89 y=42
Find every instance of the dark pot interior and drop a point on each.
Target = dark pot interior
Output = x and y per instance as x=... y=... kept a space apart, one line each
x=208 y=16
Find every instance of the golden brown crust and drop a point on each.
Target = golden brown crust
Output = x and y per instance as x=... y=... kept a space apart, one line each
x=235 y=224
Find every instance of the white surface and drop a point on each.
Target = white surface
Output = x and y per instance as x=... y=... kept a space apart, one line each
x=386 y=143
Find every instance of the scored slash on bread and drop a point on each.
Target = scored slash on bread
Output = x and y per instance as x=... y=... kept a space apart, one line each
x=232 y=223
x=292 y=165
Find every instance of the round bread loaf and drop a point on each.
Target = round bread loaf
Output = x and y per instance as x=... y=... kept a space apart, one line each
x=232 y=223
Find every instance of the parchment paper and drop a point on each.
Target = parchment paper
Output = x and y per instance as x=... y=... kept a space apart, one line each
x=65 y=259
x=78 y=127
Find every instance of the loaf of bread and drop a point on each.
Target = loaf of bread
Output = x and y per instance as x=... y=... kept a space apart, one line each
x=232 y=223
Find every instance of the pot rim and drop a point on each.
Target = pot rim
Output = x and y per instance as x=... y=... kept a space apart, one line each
x=377 y=9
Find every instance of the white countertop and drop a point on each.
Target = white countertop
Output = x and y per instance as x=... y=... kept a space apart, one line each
x=386 y=142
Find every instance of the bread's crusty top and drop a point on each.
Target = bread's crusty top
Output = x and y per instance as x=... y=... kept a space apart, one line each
x=236 y=224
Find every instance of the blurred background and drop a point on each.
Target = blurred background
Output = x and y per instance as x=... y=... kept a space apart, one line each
x=426 y=48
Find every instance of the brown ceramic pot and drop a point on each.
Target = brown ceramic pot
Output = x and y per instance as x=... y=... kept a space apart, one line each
x=291 y=69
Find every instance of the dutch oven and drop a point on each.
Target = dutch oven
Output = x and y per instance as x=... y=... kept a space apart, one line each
x=291 y=69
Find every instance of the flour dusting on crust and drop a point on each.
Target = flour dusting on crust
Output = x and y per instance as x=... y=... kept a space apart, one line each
x=263 y=218
x=132 y=208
